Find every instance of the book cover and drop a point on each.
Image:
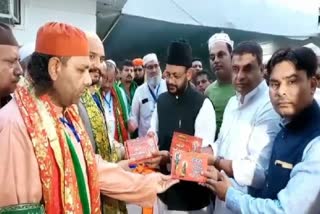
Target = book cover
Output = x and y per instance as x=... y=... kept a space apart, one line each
x=188 y=166
x=184 y=142
x=140 y=148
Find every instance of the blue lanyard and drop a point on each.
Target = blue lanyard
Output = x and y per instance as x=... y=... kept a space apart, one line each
x=108 y=102
x=71 y=126
x=154 y=96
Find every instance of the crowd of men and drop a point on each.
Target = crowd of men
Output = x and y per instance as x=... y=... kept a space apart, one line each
x=66 y=112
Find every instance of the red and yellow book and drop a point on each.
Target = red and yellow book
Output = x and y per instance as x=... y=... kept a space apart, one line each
x=184 y=142
x=141 y=148
x=189 y=165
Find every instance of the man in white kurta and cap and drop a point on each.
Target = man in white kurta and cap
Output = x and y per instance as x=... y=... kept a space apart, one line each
x=219 y=92
x=146 y=96
x=249 y=125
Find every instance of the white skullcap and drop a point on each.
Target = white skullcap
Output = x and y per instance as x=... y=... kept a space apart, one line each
x=219 y=37
x=149 y=57
x=112 y=62
x=26 y=50
x=313 y=47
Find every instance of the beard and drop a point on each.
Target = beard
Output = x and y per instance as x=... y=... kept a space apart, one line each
x=139 y=80
x=154 y=81
x=179 y=90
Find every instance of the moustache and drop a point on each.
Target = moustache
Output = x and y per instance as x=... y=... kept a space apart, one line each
x=172 y=86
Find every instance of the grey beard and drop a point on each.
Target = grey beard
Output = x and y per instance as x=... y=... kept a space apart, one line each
x=153 y=81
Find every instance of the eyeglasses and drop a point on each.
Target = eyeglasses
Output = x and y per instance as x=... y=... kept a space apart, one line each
x=151 y=67
x=138 y=69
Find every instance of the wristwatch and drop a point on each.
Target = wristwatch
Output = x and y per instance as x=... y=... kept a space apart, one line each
x=217 y=161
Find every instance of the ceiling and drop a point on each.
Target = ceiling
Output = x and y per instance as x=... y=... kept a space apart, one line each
x=127 y=36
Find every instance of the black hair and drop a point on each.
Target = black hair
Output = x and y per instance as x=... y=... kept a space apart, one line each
x=229 y=48
x=302 y=58
x=249 y=47
x=196 y=59
x=204 y=72
x=38 y=71
x=126 y=62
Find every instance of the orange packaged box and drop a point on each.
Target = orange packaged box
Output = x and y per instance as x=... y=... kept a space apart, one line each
x=184 y=142
x=140 y=148
x=188 y=166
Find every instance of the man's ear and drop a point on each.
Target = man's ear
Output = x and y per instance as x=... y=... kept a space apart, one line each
x=313 y=83
x=189 y=73
x=54 y=68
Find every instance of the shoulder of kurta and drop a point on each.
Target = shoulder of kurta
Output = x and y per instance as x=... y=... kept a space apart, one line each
x=139 y=91
x=266 y=110
x=10 y=116
x=312 y=150
x=13 y=131
x=232 y=102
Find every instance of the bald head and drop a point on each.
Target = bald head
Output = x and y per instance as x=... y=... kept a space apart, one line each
x=97 y=56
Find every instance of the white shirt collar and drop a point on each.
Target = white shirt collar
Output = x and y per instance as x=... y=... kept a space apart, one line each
x=261 y=87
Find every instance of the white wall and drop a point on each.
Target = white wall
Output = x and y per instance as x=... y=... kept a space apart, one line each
x=81 y=13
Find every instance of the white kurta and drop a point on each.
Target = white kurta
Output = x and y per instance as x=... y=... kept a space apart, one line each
x=109 y=113
x=143 y=105
x=204 y=126
x=246 y=136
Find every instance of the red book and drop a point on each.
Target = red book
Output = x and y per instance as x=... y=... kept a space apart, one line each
x=184 y=142
x=188 y=166
x=140 y=148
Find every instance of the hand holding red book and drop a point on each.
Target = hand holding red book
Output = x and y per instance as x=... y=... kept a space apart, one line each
x=188 y=166
x=141 y=148
x=184 y=142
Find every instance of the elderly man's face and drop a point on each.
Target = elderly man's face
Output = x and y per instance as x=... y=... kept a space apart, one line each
x=108 y=78
x=152 y=68
x=10 y=69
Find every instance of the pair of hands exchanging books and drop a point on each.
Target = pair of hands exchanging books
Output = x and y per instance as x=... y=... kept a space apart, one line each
x=216 y=181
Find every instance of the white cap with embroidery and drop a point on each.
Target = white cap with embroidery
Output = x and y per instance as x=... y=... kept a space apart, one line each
x=112 y=62
x=220 y=37
x=150 y=57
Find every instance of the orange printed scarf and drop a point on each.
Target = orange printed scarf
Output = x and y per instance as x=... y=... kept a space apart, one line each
x=57 y=173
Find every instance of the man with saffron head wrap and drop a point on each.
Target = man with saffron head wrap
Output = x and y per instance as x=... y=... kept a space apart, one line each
x=46 y=155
